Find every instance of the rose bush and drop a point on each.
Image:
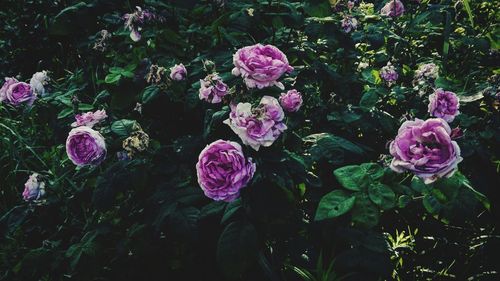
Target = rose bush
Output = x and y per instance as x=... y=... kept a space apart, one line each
x=249 y=140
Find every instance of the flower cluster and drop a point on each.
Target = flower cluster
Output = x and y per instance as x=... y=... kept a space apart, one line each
x=260 y=65
x=426 y=149
x=212 y=89
x=259 y=126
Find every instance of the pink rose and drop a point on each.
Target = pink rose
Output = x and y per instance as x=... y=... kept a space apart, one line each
x=15 y=92
x=291 y=101
x=89 y=119
x=260 y=65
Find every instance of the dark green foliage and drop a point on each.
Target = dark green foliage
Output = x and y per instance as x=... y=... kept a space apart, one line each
x=323 y=200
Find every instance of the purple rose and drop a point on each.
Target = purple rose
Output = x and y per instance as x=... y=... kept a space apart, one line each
x=389 y=73
x=33 y=188
x=259 y=126
x=212 y=88
x=15 y=92
x=426 y=149
x=444 y=104
x=178 y=72
x=89 y=119
x=291 y=101
x=223 y=170
x=349 y=23
x=260 y=65
x=393 y=8
x=85 y=146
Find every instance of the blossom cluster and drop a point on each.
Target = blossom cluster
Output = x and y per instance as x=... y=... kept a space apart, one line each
x=222 y=168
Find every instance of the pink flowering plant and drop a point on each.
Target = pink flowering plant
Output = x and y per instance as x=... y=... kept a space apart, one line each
x=249 y=140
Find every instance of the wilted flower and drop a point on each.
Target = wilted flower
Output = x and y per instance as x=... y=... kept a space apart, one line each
x=138 y=107
x=39 y=81
x=212 y=88
x=426 y=149
x=291 y=101
x=178 y=72
x=444 y=104
x=34 y=188
x=349 y=23
x=425 y=75
x=138 y=141
x=259 y=126
x=90 y=118
x=362 y=65
x=393 y=8
x=15 y=92
x=156 y=75
x=428 y=71
x=136 y=20
x=260 y=65
x=85 y=146
x=223 y=170
x=389 y=74
x=101 y=41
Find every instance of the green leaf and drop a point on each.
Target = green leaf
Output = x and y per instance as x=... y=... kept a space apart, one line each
x=382 y=195
x=65 y=113
x=150 y=93
x=128 y=74
x=403 y=201
x=352 y=177
x=330 y=147
x=231 y=209
x=115 y=70
x=369 y=99
x=374 y=170
x=85 y=107
x=237 y=248
x=112 y=78
x=213 y=208
x=469 y=11
x=334 y=204
x=124 y=127
x=365 y=214
x=431 y=204
x=317 y=8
